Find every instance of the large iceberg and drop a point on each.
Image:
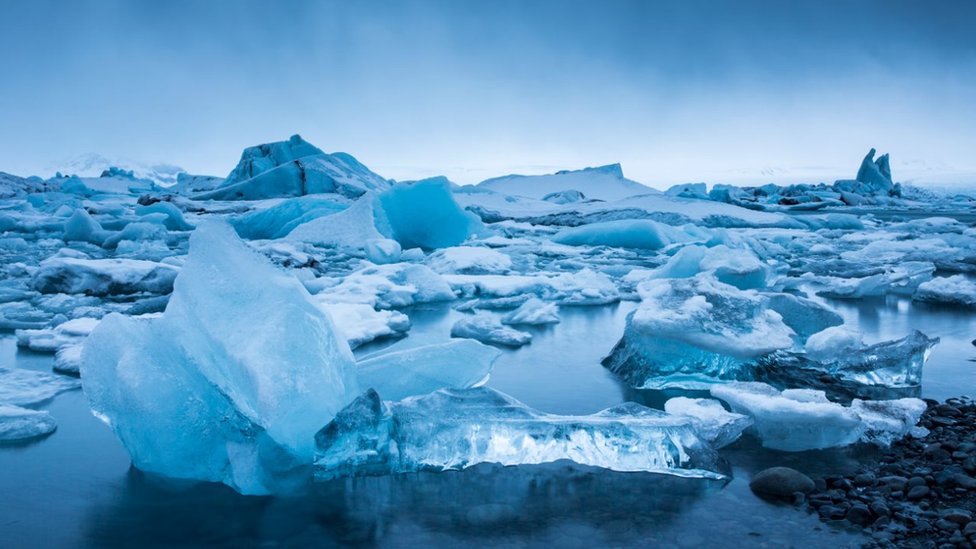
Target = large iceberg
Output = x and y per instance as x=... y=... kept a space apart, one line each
x=421 y=214
x=232 y=382
x=456 y=429
x=603 y=183
x=294 y=168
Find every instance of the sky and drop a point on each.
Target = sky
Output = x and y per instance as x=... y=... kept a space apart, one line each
x=747 y=91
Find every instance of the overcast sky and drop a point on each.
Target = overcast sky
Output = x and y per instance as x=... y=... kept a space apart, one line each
x=746 y=91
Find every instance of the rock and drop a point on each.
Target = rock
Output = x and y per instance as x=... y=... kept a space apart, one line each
x=958 y=516
x=831 y=512
x=781 y=482
x=965 y=481
x=864 y=480
x=916 y=481
x=880 y=509
x=918 y=492
x=859 y=514
x=896 y=483
x=970 y=529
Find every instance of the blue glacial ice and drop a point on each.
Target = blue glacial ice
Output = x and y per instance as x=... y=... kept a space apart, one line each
x=280 y=219
x=456 y=429
x=794 y=420
x=629 y=233
x=19 y=424
x=102 y=277
x=715 y=425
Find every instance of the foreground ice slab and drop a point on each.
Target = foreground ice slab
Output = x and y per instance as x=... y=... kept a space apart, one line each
x=102 y=277
x=232 y=382
x=457 y=364
x=18 y=424
x=28 y=387
x=452 y=429
x=801 y=419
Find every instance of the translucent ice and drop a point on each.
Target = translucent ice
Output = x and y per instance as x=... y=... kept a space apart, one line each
x=280 y=219
x=691 y=332
x=17 y=424
x=715 y=424
x=457 y=364
x=452 y=429
x=801 y=419
x=232 y=382
x=423 y=214
x=488 y=329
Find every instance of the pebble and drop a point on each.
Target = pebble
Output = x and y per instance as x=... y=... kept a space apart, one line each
x=781 y=482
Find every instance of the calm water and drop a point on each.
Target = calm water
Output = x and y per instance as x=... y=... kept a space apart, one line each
x=76 y=488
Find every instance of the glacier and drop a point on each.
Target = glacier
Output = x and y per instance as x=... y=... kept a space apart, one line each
x=456 y=429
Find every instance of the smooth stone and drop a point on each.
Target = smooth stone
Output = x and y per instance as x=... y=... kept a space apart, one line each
x=918 y=492
x=781 y=482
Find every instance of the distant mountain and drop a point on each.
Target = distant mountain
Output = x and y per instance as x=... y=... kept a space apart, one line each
x=603 y=183
x=94 y=164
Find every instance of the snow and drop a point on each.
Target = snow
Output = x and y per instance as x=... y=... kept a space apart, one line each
x=602 y=183
x=102 y=277
x=50 y=340
x=795 y=420
x=488 y=329
x=388 y=286
x=18 y=424
x=456 y=429
x=955 y=289
x=360 y=323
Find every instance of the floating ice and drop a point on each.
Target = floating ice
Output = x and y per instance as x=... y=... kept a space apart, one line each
x=694 y=331
x=585 y=287
x=801 y=419
x=232 y=382
x=67 y=360
x=628 y=233
x=49 y=340
x=714 y=423
x=802 y=315
x=833 y=342
x=18 y=424
x=360 y=323
x=81 y=227
x=488 y=329
x=280 y=219
x=956 y=290
x=452 y=429
x=457 y=364
x=534 y=311
x=102 y=277
x=22 y=387
x=603 y=182
x=469 y=260
x=737 y=267
x=389 y=286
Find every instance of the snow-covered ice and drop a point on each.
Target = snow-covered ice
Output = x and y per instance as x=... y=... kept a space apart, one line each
x=488 y=328
x=21 y=387
x=715 y=424
x=19 y=424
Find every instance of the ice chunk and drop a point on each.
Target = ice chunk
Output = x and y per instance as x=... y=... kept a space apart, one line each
x=388 y=286
x=715 y=424
x=534 y=311
x=350 y=228
x=280 y=219
x=234 y=379
x=802 y=315
x=488 y=329
x=627 y=233
x=833 y=342
x=737 y=267
x=455 y=429
x=82 y=228
x=469 y=260
x=102 y=277
x=173 y=220
x=585 y=287
x=67 y=360
x=694 y=331
x=18 y=424
x=28 y=387
x=603 y=183
x=901 y=279
x=801 y=419
x=360 y=323
x=49 y=340
x=423 y=214
x=956 y=289
x=383 y=250
x=457 y=364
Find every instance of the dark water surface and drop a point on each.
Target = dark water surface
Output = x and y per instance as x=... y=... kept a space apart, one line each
x=76 y=488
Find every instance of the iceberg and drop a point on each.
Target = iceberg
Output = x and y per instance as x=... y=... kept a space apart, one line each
x=456 y=429
x=80 y=227
x=102 y=277
x=469 y=260
x=421 y=214
x=695 y=331
x=294 y=168
x=736 y=267
x=233 y=380
x=795 y=420
x=457 y=364
x=602 y=183
x=20 y=387
x=488 y=329
x=282 y=218
x=19 y=424
x=716 y=425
